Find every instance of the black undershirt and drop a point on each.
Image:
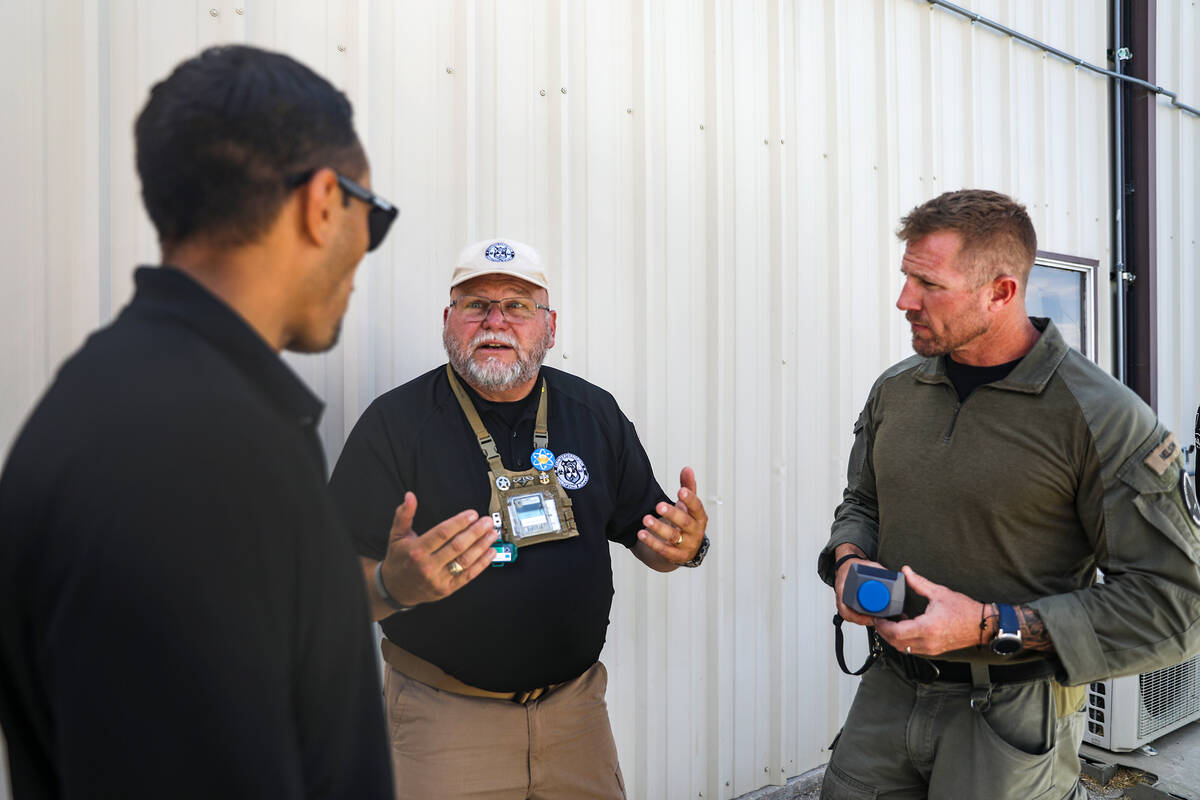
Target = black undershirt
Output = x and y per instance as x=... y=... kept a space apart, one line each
x=518 y=416
x=967 y=378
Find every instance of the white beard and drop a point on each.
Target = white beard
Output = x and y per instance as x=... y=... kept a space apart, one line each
x=494 y=374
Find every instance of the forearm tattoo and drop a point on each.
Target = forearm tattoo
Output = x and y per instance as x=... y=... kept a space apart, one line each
x=1034 y=635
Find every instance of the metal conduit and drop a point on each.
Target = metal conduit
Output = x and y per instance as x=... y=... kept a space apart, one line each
x=1122 y=275
x=1079 y=62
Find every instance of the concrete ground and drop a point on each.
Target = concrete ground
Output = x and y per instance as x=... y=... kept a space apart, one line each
x=1176 y=764
x=1173 y=773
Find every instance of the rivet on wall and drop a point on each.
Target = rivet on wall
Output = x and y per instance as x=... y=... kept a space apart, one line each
x=629 y=111
x=212 y=12
x=542 y=92
x=239 y=11
x=449 y=70
x=701 y=126
x=341 y=48
x=563 y=90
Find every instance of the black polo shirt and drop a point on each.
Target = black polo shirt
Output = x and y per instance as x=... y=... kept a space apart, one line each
x=543 y=618
x=182 y=613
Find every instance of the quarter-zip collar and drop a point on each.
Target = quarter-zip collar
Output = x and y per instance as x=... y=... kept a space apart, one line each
x=1029 y=377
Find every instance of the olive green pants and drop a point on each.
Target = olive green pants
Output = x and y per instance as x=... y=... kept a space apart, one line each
x=905 y=740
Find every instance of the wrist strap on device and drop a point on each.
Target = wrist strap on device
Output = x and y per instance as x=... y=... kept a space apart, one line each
x=838 y=564
x=839 y=644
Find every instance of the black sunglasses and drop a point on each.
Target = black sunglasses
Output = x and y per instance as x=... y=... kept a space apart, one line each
x=379 y=218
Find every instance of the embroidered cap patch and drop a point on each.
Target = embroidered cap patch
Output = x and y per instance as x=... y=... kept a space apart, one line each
x=499 y=252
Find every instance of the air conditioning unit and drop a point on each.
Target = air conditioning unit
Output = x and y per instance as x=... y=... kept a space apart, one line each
x=1126 y=713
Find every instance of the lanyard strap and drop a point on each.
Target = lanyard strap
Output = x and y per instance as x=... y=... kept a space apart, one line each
x=487 y=444
x=876 y=651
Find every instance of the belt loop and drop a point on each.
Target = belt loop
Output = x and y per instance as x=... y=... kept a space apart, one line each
x=981 y=691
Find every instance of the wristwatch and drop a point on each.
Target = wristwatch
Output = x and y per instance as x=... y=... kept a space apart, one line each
x=1008 y=637
x=700 y=554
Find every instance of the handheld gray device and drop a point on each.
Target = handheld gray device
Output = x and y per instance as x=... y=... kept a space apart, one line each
x=873 y=591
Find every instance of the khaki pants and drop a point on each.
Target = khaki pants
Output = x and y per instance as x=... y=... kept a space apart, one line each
x=448 y=746
x=905 y=740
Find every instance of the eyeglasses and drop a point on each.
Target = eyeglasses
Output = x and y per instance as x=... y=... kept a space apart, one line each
x=379 y=218
x=513 y=309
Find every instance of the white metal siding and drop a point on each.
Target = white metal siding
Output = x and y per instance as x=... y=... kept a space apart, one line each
x=1178 y=215
x=714 y=184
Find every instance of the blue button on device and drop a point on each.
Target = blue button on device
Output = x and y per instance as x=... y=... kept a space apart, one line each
x=874 y=591
x=873 y=596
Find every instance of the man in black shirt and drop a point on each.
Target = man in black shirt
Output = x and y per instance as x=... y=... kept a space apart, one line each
x=494 y=688
x=182 y=612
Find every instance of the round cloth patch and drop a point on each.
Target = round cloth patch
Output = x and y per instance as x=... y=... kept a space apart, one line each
x=572 y=472
x=1188 y=490
x=542 y=460
x=499 y=252
x=503 y=483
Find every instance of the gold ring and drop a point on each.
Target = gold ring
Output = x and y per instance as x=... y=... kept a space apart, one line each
x=679 y=541
x=454 y=567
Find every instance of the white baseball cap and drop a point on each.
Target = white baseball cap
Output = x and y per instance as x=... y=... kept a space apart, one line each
x=500 y=257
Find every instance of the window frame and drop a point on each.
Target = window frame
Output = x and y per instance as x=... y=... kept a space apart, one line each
x=1088 y=267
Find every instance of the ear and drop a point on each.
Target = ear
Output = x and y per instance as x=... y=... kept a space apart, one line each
x=317 y=203
x=1004 y=290
x=553 y=327
x=445 y=315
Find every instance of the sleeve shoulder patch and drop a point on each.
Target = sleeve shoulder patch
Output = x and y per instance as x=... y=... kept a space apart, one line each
x=1162 y=455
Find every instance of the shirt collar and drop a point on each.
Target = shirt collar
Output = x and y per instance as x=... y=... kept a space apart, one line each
x=169 y=292
x=1029 y=377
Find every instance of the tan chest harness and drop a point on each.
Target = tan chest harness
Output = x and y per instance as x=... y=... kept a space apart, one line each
x=529 y=507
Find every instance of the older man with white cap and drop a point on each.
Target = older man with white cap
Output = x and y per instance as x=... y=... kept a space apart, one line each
x=495 y=616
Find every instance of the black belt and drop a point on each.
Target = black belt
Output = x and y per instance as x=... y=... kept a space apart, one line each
x=928 y=670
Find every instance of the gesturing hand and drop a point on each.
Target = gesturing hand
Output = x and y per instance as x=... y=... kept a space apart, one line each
x=678 y=531
x=427 y=567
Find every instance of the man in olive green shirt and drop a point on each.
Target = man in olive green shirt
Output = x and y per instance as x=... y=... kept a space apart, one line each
x=998 y=469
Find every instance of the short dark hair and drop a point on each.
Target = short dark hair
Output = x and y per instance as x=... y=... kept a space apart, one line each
x=998 y=236
x=220 y=135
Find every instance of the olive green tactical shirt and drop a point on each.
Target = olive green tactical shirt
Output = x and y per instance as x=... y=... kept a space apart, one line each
x=1019 y=493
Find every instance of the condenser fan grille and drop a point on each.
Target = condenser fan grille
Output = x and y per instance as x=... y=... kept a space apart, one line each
x=1168 y=695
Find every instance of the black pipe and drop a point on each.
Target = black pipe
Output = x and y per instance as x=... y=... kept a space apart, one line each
x=1117 y=54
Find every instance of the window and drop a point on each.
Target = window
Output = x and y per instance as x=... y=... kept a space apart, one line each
x=1063 y=288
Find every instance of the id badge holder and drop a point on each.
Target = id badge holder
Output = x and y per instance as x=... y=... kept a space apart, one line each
x=533 y=515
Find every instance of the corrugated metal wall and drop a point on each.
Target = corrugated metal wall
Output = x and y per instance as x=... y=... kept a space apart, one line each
x=714 y=184
x=1178 y=211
